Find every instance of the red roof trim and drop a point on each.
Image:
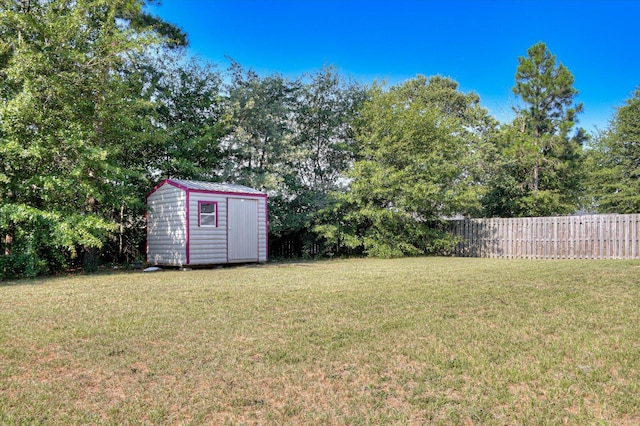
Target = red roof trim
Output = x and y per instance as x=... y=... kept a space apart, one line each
x=169 y=182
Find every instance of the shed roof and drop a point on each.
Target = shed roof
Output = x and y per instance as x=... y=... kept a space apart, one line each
x=213 y=186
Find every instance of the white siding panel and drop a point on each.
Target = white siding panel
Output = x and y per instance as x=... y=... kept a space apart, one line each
x=166 y=226
x=207 y=245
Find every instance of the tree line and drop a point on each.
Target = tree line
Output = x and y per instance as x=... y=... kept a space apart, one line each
x=99 y=104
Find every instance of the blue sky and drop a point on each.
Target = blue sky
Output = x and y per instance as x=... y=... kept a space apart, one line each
x=477 y=43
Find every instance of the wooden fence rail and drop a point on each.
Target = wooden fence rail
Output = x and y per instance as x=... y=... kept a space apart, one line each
x=613 y=236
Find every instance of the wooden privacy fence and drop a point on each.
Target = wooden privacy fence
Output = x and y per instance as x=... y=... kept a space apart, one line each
x=610 y=236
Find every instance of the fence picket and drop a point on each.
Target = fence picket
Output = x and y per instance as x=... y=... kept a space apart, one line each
x=559 y=237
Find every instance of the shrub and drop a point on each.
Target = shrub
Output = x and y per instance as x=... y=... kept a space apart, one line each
x=36 y=242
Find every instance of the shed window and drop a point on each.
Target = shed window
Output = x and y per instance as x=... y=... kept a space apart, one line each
x=208 y=214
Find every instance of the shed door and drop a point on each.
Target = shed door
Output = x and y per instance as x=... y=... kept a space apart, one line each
x=242 y=222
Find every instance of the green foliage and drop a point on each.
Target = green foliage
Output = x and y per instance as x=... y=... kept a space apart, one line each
x=325 y=148
x=258 y=150
x=547 y=90
x=191 y=112
x=74 y=121
x=614 y=162
x=415 y=167
x=324 y=140
x=537 y=169
x=292 y=139
x=39 y=242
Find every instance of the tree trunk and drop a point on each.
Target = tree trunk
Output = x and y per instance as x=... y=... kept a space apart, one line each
x=121 y=236
x=6 y=242
x=536 y=173
x=536 y=165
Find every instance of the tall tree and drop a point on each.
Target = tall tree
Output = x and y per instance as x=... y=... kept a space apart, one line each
x=258 y=150
x=539 y=151
x=68 y=110
x=260 y=118
x=324 y=148
x=417 y=141
x=191 y=111
x=613 y=162
x=324 y=134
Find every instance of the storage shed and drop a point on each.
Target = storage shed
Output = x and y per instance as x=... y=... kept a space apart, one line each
x=193 y=223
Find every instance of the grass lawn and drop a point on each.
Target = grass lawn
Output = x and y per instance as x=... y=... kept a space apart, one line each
x=407 y=341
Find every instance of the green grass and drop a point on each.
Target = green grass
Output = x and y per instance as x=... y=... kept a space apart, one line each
x=408 y=341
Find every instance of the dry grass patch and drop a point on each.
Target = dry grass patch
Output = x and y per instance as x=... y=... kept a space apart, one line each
x=408 y=341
